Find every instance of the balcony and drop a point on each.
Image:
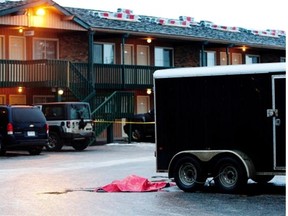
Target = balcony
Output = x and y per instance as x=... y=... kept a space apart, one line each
x=50 y=73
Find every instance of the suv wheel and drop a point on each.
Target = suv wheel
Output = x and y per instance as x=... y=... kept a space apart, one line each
x=80 y=145
x=35 y=151
x=54 y=142
x=136 y=135
x=2 y=151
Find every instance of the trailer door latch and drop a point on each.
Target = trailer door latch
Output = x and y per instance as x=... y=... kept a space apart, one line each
x=272 y=112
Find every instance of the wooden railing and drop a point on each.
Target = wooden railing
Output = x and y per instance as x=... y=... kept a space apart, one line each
x=36 y=73
x=61 y=73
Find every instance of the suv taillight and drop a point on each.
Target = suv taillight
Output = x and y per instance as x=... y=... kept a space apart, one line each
x=47 y=128
x=9 y=128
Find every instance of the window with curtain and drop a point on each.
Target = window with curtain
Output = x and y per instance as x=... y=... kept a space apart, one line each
x=103 y=53
x=252 y=59
x=209 y=58
x=163 y=57
x=45 y=48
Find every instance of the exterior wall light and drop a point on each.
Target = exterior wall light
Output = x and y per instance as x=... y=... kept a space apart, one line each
x=149 y=91
x=60 y=92
x=40 y=12
x=20 y=30
x=20 y=89
x=243 y=48
x=149 y=40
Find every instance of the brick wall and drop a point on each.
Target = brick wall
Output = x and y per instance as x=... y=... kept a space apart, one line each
x=187 y=56
x=74 y=47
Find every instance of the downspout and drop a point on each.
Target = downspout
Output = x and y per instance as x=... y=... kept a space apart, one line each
x=124 y=36
x=203 y=54
x=227 y=53
x=91 y=74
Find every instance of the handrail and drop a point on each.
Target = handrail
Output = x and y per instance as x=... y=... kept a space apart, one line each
x=118 y=105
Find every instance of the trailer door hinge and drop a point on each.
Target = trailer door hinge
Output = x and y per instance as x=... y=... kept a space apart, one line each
x=272 y=112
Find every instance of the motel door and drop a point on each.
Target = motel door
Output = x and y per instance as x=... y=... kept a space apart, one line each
x=279 y=120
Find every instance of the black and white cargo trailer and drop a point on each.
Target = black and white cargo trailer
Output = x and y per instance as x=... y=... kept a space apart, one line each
x=222 y=122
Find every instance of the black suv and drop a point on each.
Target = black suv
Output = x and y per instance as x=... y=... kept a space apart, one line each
x=22 y=128
x=141 y=126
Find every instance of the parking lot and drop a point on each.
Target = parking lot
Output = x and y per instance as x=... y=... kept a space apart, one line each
x=63 y=183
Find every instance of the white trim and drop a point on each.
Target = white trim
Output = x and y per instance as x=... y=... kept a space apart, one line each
x=220 y=70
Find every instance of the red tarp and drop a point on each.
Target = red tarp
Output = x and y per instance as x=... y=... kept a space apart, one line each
x=133 y=183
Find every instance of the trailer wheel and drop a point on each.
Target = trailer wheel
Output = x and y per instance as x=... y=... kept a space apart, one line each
x=54 y=142
x=262 y=179
x=189 y=175
x=230 y=175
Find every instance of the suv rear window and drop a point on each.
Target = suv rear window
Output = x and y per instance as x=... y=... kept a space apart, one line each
x=27 y=115
x=79 y=111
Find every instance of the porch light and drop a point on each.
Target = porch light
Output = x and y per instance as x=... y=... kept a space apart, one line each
x=60 y=92
x=40 y=12
x=243 y=48
x=20 y=89
x=20 y=30
x=149 y=40
x=149 y=91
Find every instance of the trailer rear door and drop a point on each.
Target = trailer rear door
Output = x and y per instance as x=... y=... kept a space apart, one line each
x=279 y=120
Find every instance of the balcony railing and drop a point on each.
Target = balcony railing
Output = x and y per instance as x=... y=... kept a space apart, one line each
x=120 y=76
x=50 y=73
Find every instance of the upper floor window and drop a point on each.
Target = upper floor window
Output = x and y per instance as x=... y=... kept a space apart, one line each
x=128 y=54
x=236 y=58
x=45 y=48
x=143 y=57
x=209 y=58
x=103 y=53
x=252 y=59
x=1 y=47
x=163 y=57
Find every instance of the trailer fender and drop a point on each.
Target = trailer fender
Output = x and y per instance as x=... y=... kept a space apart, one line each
x=210 y=155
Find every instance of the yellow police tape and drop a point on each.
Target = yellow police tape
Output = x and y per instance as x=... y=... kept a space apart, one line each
x=120 y=122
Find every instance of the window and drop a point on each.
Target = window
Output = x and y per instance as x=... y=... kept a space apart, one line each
x=236 y=58
x=143 y=55
x=45 y=48
x=103 y=53
x=252 y=59
x=128 y=54
x=43 y=98
x=209 y=58
x=282 y=59
x=223 y=58
x=164 y=57
x=2 y=47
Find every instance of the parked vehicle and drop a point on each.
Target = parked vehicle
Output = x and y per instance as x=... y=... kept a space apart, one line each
x=141 y=126
x=70 y=124
x=22 y=128
x=224 y=122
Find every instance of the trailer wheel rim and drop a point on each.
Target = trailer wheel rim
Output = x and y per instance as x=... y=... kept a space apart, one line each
x=187 y=174
x=228 y=176
x=52 y=142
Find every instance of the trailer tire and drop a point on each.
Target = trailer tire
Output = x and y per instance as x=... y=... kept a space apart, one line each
x=262 y=179
x=188 y=174
x=54 y=142
x=229 y=175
